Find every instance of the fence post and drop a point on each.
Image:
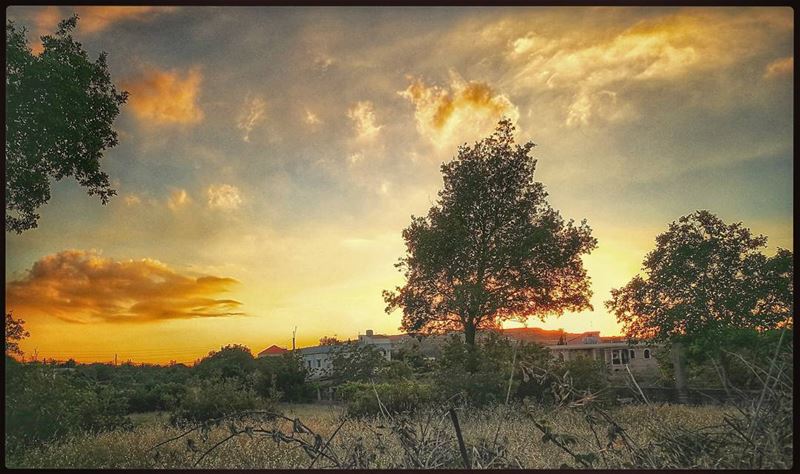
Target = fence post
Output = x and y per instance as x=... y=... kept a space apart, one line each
x=461 y=446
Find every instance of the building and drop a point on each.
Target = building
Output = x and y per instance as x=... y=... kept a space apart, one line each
x=319 y=359
x=639 y=358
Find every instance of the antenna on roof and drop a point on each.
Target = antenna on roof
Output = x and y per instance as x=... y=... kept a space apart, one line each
x=293 y=335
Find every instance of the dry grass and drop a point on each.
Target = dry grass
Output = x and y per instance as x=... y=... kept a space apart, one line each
x=371 y=438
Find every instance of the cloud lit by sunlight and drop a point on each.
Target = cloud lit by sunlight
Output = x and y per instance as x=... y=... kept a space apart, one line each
x=467 y=109
x=166 y=96
x=84 y=287
x=251 y=115
x=363 y=116
x=223 y=196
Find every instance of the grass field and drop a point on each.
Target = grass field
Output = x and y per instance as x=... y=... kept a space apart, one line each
x=495 y=437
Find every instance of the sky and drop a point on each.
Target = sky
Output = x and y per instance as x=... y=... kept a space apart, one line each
x=270 y=158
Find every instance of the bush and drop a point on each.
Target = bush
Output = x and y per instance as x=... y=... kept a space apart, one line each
x=212 y=398
x=155 y=397
x=284 y=378
x=481 y=373
x=44 y=404
x=401 y=396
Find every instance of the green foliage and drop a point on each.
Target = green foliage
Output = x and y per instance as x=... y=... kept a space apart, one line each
x=43 y=404
x=284 y=378
x=155 y=397
x=15 y=332
x=703 y=278
x=725 y=359
x=411 y=355
x=60 y=107
x=212 y=398
x=231 y=361
x=492 y=248
x=356 y=363
x=398 y=396
x=481 y=373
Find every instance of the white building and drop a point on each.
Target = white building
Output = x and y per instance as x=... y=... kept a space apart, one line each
x=319 y=359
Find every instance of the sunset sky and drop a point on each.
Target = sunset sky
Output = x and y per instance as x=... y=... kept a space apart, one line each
x=270 y=158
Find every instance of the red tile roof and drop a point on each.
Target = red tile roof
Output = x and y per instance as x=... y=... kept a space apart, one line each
x=272 y=350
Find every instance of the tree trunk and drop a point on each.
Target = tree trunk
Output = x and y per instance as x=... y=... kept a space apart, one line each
x=678 y=365
x=469 y=334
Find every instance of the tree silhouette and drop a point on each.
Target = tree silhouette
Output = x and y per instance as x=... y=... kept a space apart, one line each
x=491 y=248
x=59 y=110
x=329 y=341
x=15 y=332
x=705 y=277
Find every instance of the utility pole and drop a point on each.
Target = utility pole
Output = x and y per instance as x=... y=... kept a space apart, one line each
x=115 y=360
x=293 y=337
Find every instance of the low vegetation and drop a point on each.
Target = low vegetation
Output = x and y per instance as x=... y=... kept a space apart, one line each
x=531 y=411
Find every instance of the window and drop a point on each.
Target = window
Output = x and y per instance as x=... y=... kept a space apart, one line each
x=319 y=362
x=633 y=354
x=647 y=353
x=309 y=363
x=619 y=356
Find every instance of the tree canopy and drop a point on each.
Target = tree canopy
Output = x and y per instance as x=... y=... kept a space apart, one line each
x=703 y=278
x=60 y=107
x=491 y=248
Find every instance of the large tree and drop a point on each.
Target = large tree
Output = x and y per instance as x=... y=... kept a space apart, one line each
x=705 y=277
x=60 y=107
x=491 y=248
x=703 y=284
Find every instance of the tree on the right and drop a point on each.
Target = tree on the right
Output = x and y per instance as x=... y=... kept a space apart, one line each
x=704 y=279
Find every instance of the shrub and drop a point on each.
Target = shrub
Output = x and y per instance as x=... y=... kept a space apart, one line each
x=43 y=404
x=482 y=373
x=155 y=397
x=400 y=396
x=212 y=398
x=283 y=378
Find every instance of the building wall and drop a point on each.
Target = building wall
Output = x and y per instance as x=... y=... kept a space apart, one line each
x=615 y=356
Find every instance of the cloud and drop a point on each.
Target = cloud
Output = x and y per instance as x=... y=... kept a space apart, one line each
x=779 y=67
x=223 y=196
x=465 y=109
x=132 y=199
x=83 y=287
x=592 y=68
x=363 y=116
x=311 y=118
x=252 y=115
x=92 y=19
x=355 y=157
x=178 y=199
x=166 y=96
x=96 y=19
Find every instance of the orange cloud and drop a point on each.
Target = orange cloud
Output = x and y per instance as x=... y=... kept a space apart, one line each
x=443 y=115
x=95 y=19
x=166 y=97
x=92 y=19
x=779 y=67
x=82 y=287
